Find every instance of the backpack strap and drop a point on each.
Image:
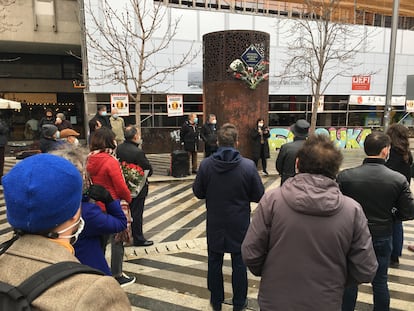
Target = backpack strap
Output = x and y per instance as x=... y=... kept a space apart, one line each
x=35 y=285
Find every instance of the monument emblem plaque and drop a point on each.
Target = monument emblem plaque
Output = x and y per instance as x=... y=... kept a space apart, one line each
x=251 y=57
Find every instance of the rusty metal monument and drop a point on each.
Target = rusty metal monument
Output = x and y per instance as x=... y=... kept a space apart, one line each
x=235 y=80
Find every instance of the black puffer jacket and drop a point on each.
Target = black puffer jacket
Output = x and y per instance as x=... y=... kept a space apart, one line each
x=378 y=189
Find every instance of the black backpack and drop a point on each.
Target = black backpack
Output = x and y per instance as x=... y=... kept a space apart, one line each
x=20 y=297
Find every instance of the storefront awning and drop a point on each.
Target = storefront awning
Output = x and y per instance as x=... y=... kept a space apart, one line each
x=9 y=104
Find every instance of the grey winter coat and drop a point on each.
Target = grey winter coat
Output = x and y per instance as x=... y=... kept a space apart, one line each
x=307 y=240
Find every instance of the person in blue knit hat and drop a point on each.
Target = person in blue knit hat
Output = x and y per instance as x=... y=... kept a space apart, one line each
x=43 y=196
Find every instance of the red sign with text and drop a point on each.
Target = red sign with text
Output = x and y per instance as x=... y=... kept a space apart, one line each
x=361 y=83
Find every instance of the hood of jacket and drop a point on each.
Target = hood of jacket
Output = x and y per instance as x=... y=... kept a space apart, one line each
x=312 y=194
x=225 y=159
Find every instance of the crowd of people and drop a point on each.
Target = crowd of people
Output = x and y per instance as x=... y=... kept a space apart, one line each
x=311 y=241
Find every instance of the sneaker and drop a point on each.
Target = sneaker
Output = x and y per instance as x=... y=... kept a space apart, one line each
x=125 y=280
x=265 y=173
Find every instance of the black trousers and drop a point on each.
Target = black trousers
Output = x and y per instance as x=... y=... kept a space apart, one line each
x=137 y=209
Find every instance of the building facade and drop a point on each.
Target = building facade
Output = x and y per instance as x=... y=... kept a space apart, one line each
x=39 y=61
x=48 y=75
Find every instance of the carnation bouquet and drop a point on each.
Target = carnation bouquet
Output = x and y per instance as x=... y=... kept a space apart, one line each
x=251 y=75
x=135 y=177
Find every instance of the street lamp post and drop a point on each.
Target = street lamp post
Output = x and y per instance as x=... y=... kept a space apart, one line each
x=391 y=62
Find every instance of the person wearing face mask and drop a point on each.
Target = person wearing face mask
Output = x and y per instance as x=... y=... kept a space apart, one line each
x=44 y=211
x=47 y=119
x=379 y=190
x=208 y=134
x=118 y=126
x=260 y=148
x=61 y=122
x=103 y=169
x=189 y=139
x=70 y=136
x=88 y=246
x=102 y=116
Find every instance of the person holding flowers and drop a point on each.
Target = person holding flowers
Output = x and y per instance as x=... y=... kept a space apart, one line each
x=104 y=169
x=136 y=168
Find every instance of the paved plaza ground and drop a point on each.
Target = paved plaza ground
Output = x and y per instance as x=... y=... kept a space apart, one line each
x=171 y=274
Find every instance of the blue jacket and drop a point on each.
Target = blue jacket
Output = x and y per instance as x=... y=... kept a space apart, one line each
x=229 y=183
x=97 y=223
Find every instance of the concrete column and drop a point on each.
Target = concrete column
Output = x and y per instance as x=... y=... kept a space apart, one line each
x=232 y=99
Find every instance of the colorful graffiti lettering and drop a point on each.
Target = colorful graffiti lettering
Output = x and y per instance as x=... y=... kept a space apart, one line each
x=345 y=138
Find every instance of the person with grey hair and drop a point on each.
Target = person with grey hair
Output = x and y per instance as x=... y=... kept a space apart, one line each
x=208 y=134
x=88 y=247
x=228 y=182
x=61 y=122
x=130 y=152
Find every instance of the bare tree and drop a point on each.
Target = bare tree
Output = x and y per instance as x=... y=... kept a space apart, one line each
x=125 y=43
x=321 y=46
x=5 y=25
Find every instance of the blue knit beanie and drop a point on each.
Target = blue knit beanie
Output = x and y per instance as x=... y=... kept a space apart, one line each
x=42 y=192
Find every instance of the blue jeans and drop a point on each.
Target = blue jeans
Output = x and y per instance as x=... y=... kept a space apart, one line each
x=215 y=279
x=397 y=238
x=383 y=249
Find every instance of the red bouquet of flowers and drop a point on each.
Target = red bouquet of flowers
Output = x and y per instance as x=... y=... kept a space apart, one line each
x=135 y=177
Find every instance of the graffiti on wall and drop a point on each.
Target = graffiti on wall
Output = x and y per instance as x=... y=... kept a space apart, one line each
x=345 y=138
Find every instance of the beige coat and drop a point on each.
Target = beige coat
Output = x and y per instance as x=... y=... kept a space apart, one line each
x=118 y=126
x=80 y=292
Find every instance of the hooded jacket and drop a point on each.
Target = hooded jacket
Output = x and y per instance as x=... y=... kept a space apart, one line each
x=229 y=183
x=306 y=241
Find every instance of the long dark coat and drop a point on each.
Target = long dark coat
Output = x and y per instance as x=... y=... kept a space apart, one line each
x=256 y=144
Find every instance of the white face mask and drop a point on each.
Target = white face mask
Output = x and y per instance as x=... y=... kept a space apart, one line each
x=76 y=142
x=115 y=116
x=260 y=124
x=74 y=236
x=103 y=113
x=214 y=122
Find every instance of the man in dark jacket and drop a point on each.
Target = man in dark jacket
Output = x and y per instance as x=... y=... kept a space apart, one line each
x=189 y=139
x=229 y=183
x=306 y=239
x=378 y=189
x=285 y=162
x=208 y=134
x=130 y=152
x=48 y=140
x=102 y=116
